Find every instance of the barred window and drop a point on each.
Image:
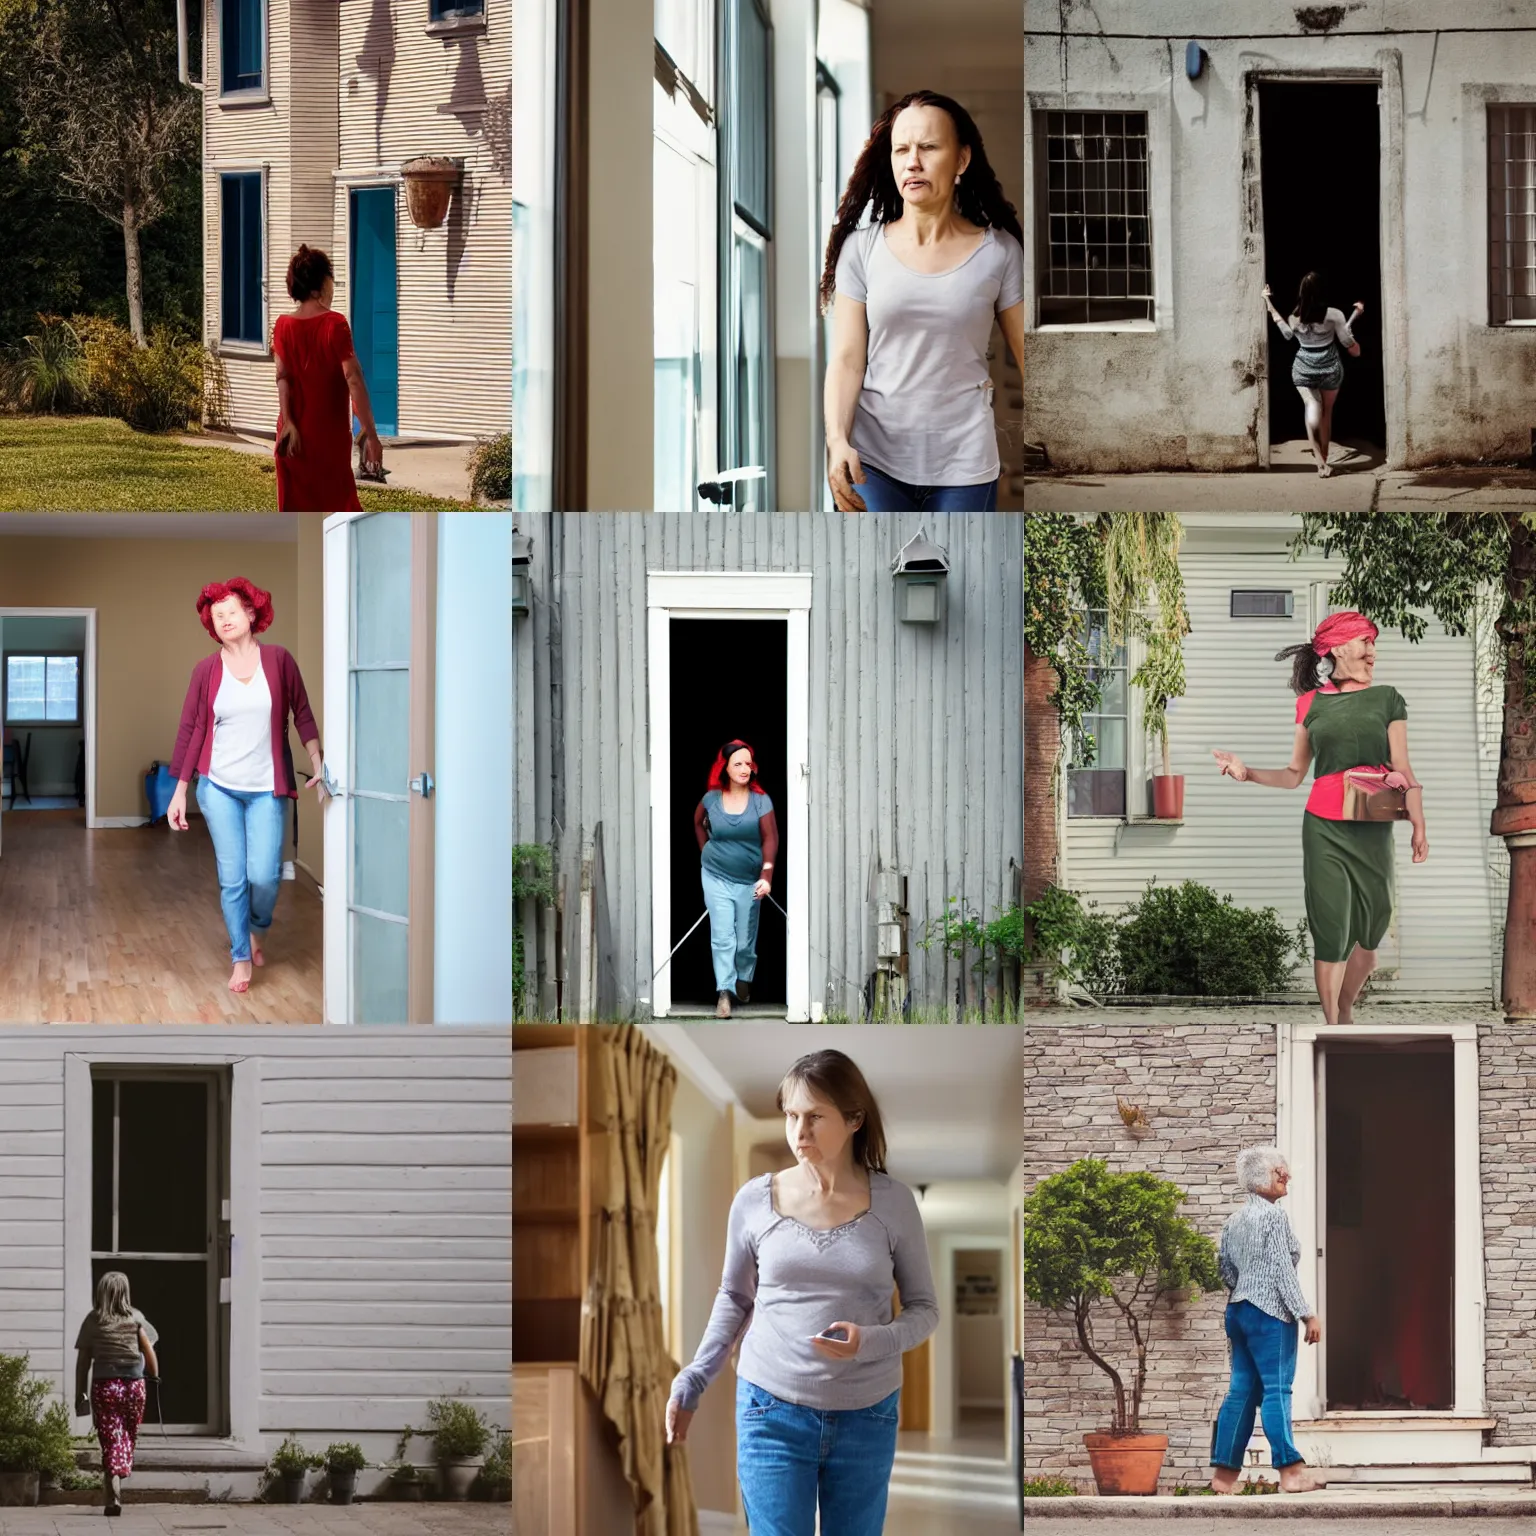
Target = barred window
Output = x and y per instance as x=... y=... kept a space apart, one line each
x=1512 y=215
x=1095 y=229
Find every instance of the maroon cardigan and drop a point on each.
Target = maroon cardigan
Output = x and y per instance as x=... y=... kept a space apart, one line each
x=194 y=737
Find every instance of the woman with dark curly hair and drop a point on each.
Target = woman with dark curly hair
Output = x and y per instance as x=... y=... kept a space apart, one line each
x=234 y=733
x=318 y=375
x=908 y=399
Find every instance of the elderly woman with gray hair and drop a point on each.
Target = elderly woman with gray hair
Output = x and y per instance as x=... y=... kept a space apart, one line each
x=115 y=1346
x=1258 y=1258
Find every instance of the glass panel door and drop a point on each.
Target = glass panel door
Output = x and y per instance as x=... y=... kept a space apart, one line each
x=378 y=795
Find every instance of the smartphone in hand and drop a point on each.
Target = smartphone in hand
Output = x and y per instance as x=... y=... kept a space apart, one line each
x=839 y=1334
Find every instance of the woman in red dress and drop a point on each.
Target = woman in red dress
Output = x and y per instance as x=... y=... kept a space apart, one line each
x=318 y=375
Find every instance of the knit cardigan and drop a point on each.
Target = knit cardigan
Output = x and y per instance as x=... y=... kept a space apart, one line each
x=194 y=737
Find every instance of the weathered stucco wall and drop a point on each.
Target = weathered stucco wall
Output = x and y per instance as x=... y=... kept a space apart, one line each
x=1192 y=391
x=1208 y=1090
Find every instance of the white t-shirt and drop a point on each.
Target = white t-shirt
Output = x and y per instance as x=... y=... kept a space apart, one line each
x=1319 y=333
x=925 y=412
x=242 y=733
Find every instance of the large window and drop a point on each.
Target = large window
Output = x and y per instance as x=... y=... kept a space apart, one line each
x=242 y=46
x=1094 y=228
x=43 y=688
x=242 y=258
x=1512 y=215
x=1099 y=789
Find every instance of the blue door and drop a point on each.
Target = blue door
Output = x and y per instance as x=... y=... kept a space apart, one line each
x=375 y=303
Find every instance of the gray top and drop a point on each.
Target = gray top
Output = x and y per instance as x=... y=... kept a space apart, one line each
x=112 y=1344
x=784 y=1282
x=1258 y=1259
x=925 y=411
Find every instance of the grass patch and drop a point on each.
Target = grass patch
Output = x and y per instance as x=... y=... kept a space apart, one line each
x=1049 y=1488
x=96 y=464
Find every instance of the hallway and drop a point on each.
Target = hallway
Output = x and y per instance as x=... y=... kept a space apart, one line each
x=122 y=926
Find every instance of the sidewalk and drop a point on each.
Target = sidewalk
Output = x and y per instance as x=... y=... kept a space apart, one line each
x=372 y=1519
x=1425 y=1502
x=434 y=469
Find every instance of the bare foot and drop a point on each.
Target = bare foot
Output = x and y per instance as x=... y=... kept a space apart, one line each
x=1223 y=1480
x=240 y=977
x=256 y=954
x=1324 y=470
x=1299 y=1478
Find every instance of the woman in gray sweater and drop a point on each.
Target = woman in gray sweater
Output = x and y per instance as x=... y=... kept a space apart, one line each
x=114 y=1348
x=812 y=1256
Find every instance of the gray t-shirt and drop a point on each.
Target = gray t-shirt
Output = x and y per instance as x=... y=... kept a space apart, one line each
x=735 y=847
x=112 y=1344
x=784 y=1282
x=925 y=412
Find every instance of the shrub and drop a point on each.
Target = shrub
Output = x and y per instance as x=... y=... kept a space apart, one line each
x=344 y=1456
x=47 y=372
x=157 y=388
x=490 y=468
x=457 y=1429
x=497 y=1471
x=32 y=1438
x=290 y=1459
x=1049 y=1488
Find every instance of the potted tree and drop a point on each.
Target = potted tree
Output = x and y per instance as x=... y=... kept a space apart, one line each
x=496 y=1474
x=343 y=1461
x=34 y=1440
x=461 y=1436
x=1091 y=1236
x=289 y=1467
x=1145 y=596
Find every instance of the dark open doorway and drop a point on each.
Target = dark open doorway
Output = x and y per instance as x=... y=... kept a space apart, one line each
x=729 y=679
x=1390 y=1203
x=1320 y=163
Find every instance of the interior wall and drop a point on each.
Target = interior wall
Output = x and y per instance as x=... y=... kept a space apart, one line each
x=308 y=650
x=979 y=1336
x=148 y=635
x=53 y=749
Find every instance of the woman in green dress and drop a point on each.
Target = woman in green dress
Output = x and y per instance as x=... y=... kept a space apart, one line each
x=1343 y=723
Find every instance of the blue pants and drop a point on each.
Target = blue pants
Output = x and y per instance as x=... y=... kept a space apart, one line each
x=1263 y=1368
x=884 y=493
x=733 y=915
x=789 y=1459
x=247 y=831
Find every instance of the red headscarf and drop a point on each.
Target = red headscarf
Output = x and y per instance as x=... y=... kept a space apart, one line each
x=717 y=778
x=1340 y=628
x=248 y=593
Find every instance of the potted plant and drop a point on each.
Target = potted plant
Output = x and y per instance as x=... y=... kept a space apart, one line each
x=1145 y=593
x=289 y=1467
x=34 y=1440
x=343 y=1461
x=1090 y=1236
x=461 y=1436
x=496 y=1474
x=405 y=1482
x=430 y=182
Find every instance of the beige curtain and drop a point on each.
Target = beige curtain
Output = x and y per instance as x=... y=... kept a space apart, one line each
x=623 y=1354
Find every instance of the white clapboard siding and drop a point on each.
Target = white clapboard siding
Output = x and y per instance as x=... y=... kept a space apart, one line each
x=1245 y=841
x=384 y=1227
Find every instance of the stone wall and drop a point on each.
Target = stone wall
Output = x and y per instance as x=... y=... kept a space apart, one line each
x=1507 y=1124
x=1207 y=1090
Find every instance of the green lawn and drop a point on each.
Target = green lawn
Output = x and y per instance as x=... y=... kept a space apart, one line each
x=97 y=464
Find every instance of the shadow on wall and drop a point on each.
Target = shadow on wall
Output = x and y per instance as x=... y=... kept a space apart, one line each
x=377 y=60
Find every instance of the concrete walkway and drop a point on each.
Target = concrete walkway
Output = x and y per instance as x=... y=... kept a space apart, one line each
x=371 y=1519
x=1391 y=1505
x=434 y=469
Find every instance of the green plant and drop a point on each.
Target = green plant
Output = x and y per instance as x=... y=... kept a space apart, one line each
x=1063 y=575
x=154 y=388
x=490 y=468
x=457 y=1429
x=1048 y=1488
x=532 y=876
x=33 y=1438
x=1091 y=1235
x=78 y=1482
x=344 y=1456
x=1184 y=1491
x=47 y=372
x=497 y=1471
x=404 y=1472
x=290 y=1459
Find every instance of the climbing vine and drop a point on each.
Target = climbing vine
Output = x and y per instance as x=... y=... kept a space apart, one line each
x=1063 y=574
x=532 y=875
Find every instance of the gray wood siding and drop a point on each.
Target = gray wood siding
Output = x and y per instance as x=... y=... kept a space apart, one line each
x=916 y=747
x=384 y=1237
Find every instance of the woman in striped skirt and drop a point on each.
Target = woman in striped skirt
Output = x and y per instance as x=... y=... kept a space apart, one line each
x=1318 y=370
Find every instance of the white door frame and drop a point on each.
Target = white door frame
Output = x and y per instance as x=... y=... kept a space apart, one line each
x=1300 y=1129
x=87 y=706
x=737 y=595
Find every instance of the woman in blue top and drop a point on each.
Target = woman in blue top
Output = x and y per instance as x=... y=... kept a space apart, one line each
x=738 y=842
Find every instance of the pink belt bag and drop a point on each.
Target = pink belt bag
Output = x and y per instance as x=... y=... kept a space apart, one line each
x=1374 y=794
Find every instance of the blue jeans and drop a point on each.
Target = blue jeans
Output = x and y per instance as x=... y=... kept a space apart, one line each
x=247 y=830
x=884 y=493
x=733 y=915
x=789 y=1459
x=1263 y=1368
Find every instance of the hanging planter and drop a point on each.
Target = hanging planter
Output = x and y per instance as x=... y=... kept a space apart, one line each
x=430 y=181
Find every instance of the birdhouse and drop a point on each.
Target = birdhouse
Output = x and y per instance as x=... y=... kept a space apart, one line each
x=921 y=569
x=522 y=581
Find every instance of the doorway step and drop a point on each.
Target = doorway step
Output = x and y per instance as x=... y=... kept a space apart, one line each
x=1422 y=1448
x=190 y=1469
x=758 y=1012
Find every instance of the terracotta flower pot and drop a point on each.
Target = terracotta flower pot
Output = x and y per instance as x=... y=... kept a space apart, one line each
x=429 y=183
x=1168 y=796
x=1126 y=1463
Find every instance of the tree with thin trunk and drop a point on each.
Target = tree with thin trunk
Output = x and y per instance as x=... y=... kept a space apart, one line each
x=100 y=98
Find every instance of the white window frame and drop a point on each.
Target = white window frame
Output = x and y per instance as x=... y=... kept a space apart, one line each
x=252 y=96
x=738 y=595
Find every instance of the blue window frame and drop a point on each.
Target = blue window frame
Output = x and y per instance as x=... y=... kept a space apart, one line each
x=454 y=10
x=242 y=251
x=241 y=44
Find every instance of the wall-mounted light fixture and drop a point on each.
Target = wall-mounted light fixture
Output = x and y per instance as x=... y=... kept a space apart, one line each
x=920 y=570
x=1194 y=60
x=522 y=581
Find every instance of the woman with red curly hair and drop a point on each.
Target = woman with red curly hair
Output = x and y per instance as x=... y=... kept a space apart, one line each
x=318 y=375
x=738 y=842
x=234 y=734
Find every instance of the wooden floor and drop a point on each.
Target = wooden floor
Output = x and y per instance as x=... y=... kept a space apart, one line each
x=122 y=926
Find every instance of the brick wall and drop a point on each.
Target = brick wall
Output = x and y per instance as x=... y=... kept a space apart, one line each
x=1042 y=746
x=1507 y=1124
x=1208 y=1091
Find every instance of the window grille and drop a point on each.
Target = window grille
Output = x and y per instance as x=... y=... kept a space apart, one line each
x=1100 y=790
x=1512 y=215
x=1098 y=231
